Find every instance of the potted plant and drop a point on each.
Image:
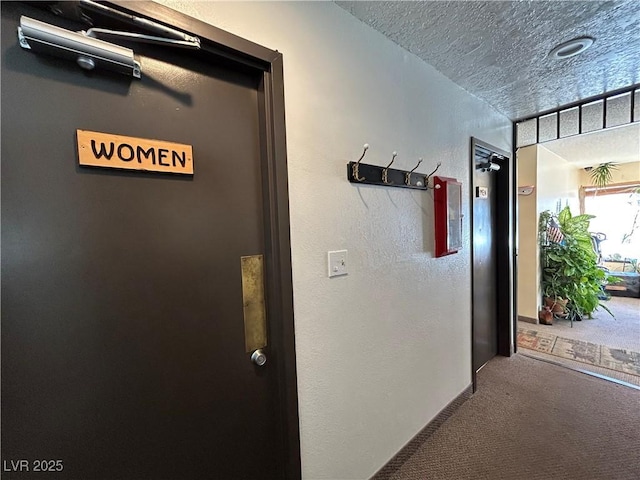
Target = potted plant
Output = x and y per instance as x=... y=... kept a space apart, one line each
x=554 y=290
x=545 y=315
x=570 y=273
x=602 y=174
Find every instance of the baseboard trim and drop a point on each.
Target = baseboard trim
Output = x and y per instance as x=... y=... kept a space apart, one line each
x=522 y=318
x=414 y=444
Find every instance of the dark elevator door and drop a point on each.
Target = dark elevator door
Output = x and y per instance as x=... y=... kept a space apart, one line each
x=123 y=348
x=485 y=324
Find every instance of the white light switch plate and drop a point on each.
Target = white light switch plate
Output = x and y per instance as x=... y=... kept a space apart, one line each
x=337 y=263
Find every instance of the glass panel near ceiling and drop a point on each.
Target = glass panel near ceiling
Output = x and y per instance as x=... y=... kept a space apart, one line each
x=569 y=122
x=548 y=128
x=592 y=116
x=526 y=133
x=619 y=110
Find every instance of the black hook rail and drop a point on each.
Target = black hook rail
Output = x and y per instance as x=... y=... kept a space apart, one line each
x=366 y=174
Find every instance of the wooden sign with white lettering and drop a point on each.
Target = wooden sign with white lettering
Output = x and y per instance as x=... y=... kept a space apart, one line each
x=97 y=149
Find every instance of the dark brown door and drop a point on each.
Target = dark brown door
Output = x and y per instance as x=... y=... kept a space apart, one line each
x=485 y=325
x=123 y=350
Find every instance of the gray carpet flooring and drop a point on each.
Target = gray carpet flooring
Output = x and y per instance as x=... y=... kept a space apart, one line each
x=621 y=331
x=530 y=420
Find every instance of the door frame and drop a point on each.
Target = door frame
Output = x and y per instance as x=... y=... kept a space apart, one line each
x=505 y=273
x=241 y=54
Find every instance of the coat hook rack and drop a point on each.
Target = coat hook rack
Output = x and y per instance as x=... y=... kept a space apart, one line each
x=363 y=173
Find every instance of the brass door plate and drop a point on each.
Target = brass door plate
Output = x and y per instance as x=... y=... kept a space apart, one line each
x=255 y=316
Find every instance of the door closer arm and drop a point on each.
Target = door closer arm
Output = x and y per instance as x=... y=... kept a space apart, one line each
x=89 y=51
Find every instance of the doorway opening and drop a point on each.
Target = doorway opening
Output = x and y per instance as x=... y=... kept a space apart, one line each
x=557 y=173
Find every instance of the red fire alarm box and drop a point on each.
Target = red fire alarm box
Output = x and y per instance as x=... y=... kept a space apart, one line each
x=448 y=215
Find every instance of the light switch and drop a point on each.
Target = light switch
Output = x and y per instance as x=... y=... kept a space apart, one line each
x=337 y=263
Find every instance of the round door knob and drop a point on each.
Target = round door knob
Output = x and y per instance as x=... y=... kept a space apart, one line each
x=259 y=358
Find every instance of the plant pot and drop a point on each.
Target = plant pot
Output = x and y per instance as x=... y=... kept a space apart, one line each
x=556 y=305
x=545 y=315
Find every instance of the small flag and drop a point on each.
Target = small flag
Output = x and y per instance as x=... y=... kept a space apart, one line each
x=554 y=234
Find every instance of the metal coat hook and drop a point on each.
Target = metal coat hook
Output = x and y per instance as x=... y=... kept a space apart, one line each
x=427 y=177
x=407 y=176
x=356 y=166
x=385 y=172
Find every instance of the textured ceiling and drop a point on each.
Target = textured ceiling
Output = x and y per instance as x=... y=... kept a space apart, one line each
x=498 y=51
x=619 y=145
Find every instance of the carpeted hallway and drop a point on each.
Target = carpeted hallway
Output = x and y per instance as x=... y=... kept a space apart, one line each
x=530 y=420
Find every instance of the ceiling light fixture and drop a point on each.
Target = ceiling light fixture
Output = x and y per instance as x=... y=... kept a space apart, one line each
x=571 y=48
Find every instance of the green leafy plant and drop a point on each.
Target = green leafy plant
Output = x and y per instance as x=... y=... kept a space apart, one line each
x=602 y=174
x=569 y=268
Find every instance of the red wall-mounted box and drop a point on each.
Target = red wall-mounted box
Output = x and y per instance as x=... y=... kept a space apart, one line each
x=447 y=208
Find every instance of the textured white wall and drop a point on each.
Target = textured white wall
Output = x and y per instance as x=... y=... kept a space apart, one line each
x=384 y=349
x=558 y=181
